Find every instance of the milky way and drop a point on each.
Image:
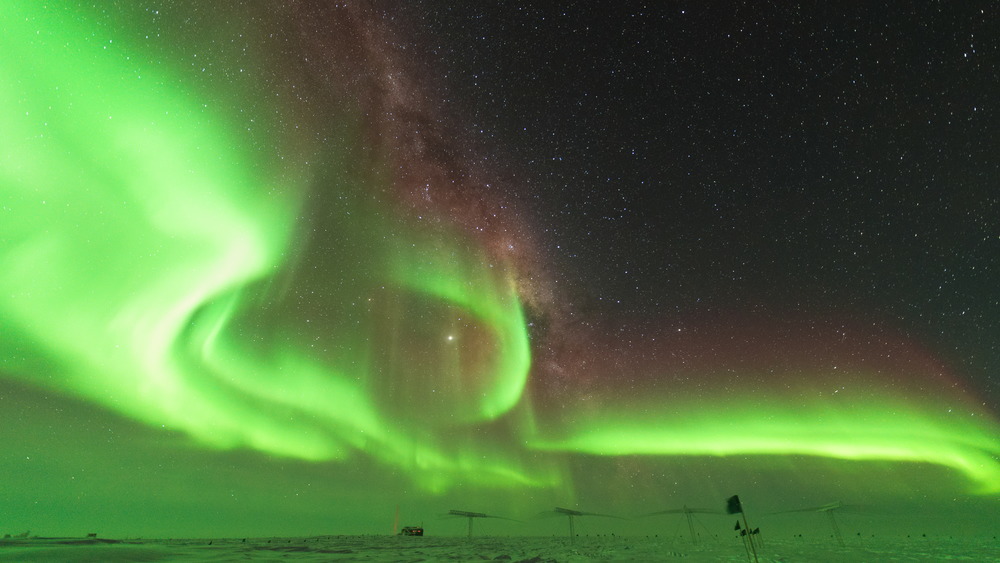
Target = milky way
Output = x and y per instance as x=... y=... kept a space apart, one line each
x=257 y=233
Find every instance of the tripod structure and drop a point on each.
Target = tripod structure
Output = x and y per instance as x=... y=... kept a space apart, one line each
x=688 y=512
x=828 y=509
x=473 y=515
x=577 y=513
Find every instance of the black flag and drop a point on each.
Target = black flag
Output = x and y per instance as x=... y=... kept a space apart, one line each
x=737 y=525
x=733 y=505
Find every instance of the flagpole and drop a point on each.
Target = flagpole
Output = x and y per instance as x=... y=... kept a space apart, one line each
x=749 y=531
x=743 y=538
x=734 y=506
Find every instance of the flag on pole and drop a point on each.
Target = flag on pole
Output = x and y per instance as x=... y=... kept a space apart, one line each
x=733 y=505
x=737 y=525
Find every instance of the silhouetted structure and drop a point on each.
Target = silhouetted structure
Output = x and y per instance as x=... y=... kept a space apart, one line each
x=734 y=506
x=828 y=509
x=688 y=513
x=473 y=515
x=412 y=531
x=571 y=513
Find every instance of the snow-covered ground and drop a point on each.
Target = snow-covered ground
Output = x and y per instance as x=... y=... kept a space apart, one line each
x=512 y=549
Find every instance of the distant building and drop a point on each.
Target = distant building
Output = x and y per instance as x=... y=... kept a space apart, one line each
x=412 y=531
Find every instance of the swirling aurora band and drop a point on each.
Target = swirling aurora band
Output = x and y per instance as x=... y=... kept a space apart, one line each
x=145 y=235
x=180 y=224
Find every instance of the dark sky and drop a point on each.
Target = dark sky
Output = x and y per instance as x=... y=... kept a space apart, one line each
x=290 y=268
x=687 y=157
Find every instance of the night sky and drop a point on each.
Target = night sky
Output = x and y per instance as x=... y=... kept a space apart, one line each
x=279 y=268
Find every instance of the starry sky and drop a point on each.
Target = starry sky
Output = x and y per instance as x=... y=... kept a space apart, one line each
x=285 y=268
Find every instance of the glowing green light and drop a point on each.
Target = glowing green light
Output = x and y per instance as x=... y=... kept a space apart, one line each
x=869 y=426
x=138 y=228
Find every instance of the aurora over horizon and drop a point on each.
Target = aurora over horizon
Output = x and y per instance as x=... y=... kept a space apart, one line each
x=281 y=267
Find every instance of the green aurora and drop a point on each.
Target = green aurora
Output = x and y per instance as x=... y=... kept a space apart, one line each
x=161 y=264
x=184 y=227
